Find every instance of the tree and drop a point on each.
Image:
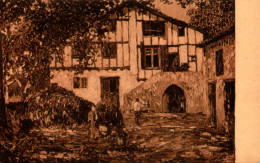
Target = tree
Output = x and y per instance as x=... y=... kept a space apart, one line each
x=210 y=16
x=33 y=30
x=36 y=29
x=2 y=97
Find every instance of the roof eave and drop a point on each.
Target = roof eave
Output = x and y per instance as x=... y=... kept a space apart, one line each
x=230 y=31
x=155 y=12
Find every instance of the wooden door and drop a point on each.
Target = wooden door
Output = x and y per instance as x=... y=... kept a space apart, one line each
x=212 y=102
x=230 y=106
x=110 y=90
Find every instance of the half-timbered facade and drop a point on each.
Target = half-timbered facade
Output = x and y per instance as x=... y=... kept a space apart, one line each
x=140 y=44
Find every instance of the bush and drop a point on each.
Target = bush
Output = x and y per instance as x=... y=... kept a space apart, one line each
x=15 y=115
x=56 y=105
x=108 y=114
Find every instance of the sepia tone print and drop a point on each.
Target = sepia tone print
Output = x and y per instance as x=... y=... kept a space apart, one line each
x=117 y=81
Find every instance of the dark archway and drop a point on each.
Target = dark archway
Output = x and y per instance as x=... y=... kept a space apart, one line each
x=174 y=100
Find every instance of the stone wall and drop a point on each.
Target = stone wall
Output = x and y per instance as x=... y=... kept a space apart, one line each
x=228 y=45
x=152 y=90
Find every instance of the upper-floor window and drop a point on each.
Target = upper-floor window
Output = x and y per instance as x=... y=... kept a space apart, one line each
x=158 y=57
x=109 y=50
x=219 y=62
x=78 y=53
x=154 y=28
x=80 y=82
x=181 y=31
x=150 y=59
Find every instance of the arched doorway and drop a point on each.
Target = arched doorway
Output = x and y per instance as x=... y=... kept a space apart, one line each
x=173 y=100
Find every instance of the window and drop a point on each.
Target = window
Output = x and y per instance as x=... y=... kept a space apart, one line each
x=78 y=51
x=155 y=57
x=80 y=82
x=219 y=62
x=181 y=31
x=148 y=57
x=155 y=28
x=83 y=82
x=151 y=57
x=109 y=50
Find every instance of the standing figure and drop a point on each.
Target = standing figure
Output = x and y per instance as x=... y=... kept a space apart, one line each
x=137 y=110
x=92 y=117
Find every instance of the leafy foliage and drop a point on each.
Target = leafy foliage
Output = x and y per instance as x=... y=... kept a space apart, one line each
x=34 y=30
x=53 y=106
x=108 y=114
x=56 y=105
x=210 y=16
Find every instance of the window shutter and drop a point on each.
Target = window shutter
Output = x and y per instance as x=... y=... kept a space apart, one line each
x=113 y=50
x=176 y=60
x=142 y=55
x=164 y=58
x=76 y=82
x=84 y=82
x=219 y=62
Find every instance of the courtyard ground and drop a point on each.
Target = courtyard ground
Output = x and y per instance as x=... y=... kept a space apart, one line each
x=177 y=137
x=161 y=137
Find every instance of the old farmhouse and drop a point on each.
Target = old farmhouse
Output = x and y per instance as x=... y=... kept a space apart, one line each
x=162 y=61
x=149 y=55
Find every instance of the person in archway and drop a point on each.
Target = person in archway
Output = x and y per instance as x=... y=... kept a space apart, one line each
x=137 y=110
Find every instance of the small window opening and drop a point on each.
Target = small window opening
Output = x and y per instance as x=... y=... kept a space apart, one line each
x=181 y=31
x=155 y=28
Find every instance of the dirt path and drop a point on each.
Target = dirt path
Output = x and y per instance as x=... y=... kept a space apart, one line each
x=57 y=144
x=176 y=137
x=161 y=137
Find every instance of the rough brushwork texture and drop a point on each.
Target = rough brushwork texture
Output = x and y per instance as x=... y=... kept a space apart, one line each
x=119 y=81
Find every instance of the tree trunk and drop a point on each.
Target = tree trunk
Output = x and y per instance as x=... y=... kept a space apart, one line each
x=2 y=97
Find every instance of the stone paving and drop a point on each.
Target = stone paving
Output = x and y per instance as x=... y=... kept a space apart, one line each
x=161 y=137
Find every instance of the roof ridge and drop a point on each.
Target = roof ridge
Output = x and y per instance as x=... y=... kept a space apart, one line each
x=153 y=11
